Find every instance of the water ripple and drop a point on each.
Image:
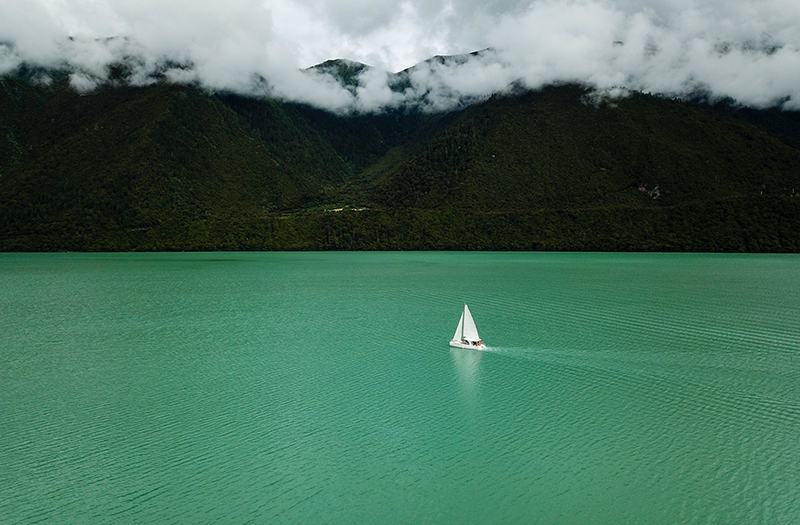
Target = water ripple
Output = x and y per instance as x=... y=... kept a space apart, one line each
x=319 y=388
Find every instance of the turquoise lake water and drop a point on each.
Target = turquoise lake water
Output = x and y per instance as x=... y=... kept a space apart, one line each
x=320 y=388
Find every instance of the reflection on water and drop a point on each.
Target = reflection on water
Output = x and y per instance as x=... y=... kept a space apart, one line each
x=468 y=367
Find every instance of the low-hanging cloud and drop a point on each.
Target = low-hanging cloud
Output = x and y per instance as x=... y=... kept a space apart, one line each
x=744 y=49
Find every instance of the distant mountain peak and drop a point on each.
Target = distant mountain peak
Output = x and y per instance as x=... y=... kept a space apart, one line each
x=451 y=60
x=345 y=71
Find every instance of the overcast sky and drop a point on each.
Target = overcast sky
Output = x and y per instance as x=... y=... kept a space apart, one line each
x=745 y=49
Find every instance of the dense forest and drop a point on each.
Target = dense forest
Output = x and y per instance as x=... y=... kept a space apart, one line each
x=174 y=167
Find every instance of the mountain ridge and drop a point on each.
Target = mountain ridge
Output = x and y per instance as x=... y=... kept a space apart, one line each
x=173 y=167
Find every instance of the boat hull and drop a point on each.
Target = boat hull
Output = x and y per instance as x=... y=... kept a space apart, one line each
x=459 y=344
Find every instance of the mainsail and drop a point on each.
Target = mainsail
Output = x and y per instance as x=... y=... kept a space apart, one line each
x=470 y=330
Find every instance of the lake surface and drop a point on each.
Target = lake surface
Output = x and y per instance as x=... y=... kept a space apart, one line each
x=320 y=388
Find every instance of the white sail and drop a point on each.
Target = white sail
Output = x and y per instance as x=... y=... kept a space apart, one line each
x=470 y=330
x=457 y=337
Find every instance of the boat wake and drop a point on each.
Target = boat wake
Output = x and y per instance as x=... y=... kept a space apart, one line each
x=516 y=352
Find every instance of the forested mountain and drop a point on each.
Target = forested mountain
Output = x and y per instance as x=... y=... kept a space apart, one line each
x=173 y=167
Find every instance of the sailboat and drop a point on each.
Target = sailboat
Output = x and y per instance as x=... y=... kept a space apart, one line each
x=466 y=335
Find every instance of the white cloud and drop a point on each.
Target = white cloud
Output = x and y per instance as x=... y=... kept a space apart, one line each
x=746 y=49
x=82 y=83
x=373 y=91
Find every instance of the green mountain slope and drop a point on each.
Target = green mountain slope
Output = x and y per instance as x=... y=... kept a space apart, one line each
x=104 y=171
x=550 y=149
x=171 y=167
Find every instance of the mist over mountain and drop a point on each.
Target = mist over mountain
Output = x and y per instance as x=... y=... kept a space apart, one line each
x=743 y=50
